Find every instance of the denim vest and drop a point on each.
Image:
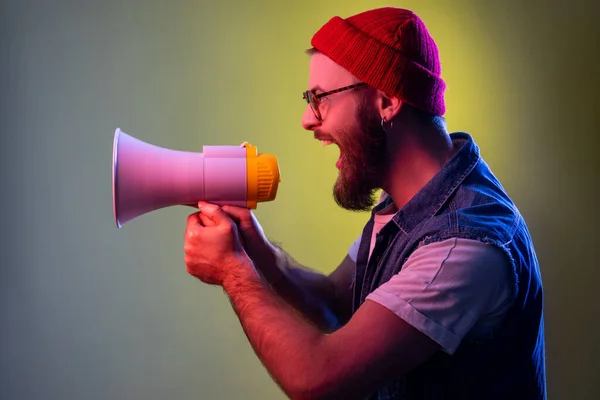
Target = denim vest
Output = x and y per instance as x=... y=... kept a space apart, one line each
x=465 y=200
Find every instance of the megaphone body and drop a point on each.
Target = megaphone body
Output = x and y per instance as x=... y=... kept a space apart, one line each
x=147 y=177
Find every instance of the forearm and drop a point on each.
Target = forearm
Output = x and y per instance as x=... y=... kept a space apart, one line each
x=286 y=344
x=309 y=292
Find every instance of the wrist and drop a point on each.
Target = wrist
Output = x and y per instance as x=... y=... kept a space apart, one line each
x=240 y=271
x=275 y=265
x=264 y=255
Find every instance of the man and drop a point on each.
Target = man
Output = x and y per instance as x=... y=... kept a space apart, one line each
x=441 y=295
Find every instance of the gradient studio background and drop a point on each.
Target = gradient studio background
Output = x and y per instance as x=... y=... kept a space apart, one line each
x=92 y=312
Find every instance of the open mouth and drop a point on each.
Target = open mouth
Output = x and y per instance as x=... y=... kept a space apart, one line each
x=325 y=143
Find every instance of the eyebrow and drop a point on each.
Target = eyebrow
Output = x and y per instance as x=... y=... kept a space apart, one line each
x=317 y=87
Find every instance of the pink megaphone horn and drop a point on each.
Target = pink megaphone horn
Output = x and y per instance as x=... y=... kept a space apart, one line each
x=147 y=177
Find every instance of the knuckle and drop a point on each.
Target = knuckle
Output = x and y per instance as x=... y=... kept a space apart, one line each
x=191 y=234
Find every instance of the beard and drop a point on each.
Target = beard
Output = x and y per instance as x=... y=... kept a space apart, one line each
x=363 y=161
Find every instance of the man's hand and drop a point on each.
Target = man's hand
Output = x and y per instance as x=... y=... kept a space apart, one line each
x=255 y=242
x=212 y=245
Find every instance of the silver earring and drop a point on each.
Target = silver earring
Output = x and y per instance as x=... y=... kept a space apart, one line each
x=383 y=126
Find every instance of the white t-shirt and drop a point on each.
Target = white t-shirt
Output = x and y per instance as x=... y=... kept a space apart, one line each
x=449 y=290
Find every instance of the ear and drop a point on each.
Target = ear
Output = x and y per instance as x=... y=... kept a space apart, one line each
x=389 y=106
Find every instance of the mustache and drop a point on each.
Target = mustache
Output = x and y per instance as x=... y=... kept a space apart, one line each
x=320 y=135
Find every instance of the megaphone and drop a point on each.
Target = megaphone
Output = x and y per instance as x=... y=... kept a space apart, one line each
x=147 y=177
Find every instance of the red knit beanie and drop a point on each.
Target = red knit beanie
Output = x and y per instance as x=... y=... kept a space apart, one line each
x=390 y=49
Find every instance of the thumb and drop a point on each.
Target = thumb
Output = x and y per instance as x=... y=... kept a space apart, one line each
x=212 y=212
x=238 y=214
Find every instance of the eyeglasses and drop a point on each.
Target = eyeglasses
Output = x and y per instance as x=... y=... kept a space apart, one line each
x=314 y=99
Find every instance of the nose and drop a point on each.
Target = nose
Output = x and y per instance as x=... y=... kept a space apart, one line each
x=309 y=121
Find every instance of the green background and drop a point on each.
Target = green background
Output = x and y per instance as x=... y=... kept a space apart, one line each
x=92 y=312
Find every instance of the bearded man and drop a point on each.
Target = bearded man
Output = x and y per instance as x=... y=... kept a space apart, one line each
x=440 y=297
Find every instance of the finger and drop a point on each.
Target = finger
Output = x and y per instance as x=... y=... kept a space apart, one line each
x=214 y=213
x=192 y=226
x=205 y=205
x=193 y=220
x=205 y=220
x=238 y=214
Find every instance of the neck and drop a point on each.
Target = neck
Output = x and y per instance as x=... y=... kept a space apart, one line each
x=416 y=154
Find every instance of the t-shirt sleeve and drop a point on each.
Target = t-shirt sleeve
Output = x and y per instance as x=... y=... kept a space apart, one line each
x=447 y=288
x=353 y=250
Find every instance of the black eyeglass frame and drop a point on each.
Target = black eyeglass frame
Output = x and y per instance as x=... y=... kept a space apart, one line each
x=313 y=99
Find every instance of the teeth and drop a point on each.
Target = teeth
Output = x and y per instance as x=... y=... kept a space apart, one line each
x=326 y=142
